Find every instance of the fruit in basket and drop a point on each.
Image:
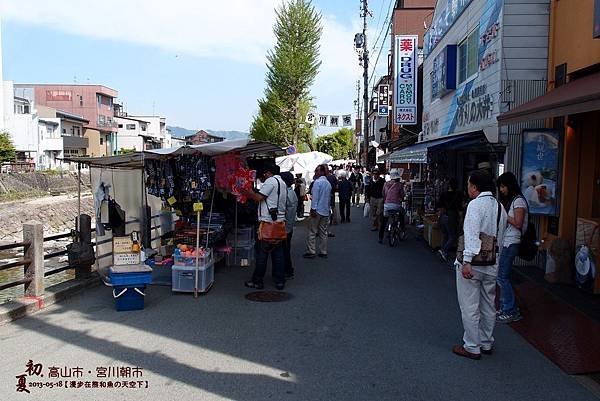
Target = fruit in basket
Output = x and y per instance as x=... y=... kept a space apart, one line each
x=183 y=247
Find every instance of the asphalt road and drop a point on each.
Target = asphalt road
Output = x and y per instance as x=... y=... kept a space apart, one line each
x=369 y=323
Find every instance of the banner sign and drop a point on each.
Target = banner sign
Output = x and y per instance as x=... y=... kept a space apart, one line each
x=406 y=79
x=383 y=100
x=443 y=19
x=597 y=19
x=329 y=121
x=540 y=175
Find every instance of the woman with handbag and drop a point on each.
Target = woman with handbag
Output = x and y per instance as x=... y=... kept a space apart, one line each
x=477 y=266
x=516 y=206
x=272 y=199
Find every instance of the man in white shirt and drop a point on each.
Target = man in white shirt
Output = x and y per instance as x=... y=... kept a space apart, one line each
x=319 y=214
x=272 y=199
x=476 y=285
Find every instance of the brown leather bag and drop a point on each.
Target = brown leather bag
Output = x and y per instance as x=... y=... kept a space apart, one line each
x=489 y=246
x=272 y=232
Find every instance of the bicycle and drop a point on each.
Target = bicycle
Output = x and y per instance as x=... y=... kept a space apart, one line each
x=395 y=229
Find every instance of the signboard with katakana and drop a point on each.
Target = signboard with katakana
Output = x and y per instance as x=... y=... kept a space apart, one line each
x=405 y=105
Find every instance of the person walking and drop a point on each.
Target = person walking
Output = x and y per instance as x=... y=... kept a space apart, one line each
x=319 y=214
x=272 y=199
x=290 y=219
x=300 y=190
x=516 y=206
x=476 y=285
x=375 y=195
x=449 y=206
x=393 y=194
x=344 y=194
x=333 y=181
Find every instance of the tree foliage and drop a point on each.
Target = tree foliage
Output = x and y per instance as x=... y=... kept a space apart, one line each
x=292 y=65
x=339 y=145
x=7 y=149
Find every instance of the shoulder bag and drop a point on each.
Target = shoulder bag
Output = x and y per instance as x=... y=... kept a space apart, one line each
x=272 y=231
x=489 y=246
x=528 y=248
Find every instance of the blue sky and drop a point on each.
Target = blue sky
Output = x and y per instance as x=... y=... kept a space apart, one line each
x=201 y=64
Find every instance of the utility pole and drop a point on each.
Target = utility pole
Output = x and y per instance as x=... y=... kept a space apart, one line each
x=358 y=110
x=365 y=59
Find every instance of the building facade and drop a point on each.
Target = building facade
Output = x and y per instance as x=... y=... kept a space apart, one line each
x=570 y=111
x=202 y=137
x=133 y=134
x=93 y=102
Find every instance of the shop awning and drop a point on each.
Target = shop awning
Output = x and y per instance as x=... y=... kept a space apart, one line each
x=578 y=96
x=136 y=160
x=417 y=153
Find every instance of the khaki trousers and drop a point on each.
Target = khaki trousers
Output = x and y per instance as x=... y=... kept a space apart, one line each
x=376 y=211
x=317 y=227
x=476 y=298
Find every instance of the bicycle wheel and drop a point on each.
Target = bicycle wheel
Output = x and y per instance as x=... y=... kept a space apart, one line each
x=394 y=234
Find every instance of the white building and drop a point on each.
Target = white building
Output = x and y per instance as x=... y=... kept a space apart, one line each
x=157 y=129
x=133 y=134
x=61 y=135
x=21 y=122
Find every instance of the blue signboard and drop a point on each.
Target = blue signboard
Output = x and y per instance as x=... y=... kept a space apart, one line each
x=443 y=74
x=540 y=171
x=443 y=19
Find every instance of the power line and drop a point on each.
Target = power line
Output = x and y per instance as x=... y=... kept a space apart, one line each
x=387 y=20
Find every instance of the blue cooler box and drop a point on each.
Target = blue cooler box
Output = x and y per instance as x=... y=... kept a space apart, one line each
x=129 y=297
x=129 y=285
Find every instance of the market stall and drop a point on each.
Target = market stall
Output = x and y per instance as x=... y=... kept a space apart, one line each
x=186 y=204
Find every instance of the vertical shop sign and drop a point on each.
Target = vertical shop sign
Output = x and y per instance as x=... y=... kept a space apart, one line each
x=383 y=100
x=540 y=171
x=406 y=79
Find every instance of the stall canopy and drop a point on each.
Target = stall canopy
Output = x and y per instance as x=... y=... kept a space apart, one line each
x=417 y=153
x=136 y=160
x=303 y=163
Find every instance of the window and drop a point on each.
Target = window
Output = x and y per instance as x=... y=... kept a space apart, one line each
x=468 y=56
x=101 y=141
x=25 y=109
x=101 y=121
x=144 y=128
x=120 y=125
x=80 y=101
x=130 y=126
x=64 y=131
x=58 y=96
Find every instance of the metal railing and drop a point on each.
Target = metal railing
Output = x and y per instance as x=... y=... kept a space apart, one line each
x=34 y=258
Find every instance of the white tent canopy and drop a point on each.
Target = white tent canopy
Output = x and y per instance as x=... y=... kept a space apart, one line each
x=303 y=163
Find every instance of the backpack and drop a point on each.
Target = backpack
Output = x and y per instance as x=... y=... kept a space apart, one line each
x=528 y=247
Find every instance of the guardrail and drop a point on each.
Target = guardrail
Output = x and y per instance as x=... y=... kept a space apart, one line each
x=33 y=259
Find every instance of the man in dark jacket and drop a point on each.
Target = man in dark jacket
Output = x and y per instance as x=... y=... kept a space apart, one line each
x=345 y=188
x=375 y=196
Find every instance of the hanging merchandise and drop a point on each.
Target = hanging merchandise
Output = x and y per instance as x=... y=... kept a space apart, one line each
x=232 y=176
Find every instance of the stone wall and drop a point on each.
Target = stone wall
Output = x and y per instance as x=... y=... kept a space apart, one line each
x=57 y=213
x=41 y=182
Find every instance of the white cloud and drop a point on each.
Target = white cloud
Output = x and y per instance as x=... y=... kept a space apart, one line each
x=230 y=30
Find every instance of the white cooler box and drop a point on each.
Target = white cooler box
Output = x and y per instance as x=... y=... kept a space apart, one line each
x=184 y=278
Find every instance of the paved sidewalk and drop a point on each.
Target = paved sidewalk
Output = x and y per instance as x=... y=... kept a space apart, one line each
x=369 y=323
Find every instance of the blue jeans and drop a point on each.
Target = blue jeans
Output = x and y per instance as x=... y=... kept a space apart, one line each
x=507 y=294
x=263 y=250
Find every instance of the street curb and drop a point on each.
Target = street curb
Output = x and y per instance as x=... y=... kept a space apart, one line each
x=25 y=306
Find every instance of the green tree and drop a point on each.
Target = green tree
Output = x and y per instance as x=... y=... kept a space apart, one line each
x=124 y=151
x=292 y=68
x=339 y=145
x=7 y=149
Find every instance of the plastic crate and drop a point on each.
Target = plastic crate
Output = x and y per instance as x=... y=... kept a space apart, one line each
x=191 y=261
x=245 y=237
x=129 y=297
x=241 y=256
x=130 y=275
x=161 y=273
x=184 y=278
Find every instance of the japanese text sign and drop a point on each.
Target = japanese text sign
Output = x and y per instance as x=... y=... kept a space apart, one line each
x=406 y=79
